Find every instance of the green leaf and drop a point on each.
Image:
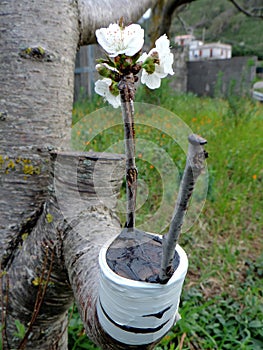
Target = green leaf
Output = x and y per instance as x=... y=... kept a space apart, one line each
x=255 y=324
x=21 y=330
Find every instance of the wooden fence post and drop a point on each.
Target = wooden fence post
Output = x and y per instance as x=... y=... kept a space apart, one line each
x=85 y=72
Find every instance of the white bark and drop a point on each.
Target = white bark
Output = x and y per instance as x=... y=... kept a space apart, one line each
x=108 y=11
x=37 y=96
x=38 y=45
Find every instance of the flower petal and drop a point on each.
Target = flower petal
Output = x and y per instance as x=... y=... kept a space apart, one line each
x=153 y=81
x=102 y=88
x=167 y=63
x=115 y=101
x=116 y=40
x=159 y=71
x=163 y=44
x=143 y=57
x=133 y=39
x=165 y=56
x=109 y=38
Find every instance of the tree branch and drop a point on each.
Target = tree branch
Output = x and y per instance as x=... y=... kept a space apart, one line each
x=246 y=12
x=40 y=295
x=109 y=11
x=162 y=17
x=127 y=91
x=86 y=232
x=172 y=5
x=194 y=166
x=183 y=23
x=81 y=184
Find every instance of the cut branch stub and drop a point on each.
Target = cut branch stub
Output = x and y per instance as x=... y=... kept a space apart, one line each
x=129 y=308
x=194 y=165
x=137 y=255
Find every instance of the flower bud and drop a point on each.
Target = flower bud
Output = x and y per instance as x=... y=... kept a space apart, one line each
x=105 y=71
x=114 y=89
x=149 y=65
x=123 y=63
x=155 y=56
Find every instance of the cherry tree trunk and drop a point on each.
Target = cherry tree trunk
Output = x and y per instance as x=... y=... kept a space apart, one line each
x=162 y=15
x=50 y=228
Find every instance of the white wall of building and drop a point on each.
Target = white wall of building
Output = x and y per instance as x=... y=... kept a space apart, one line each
x=210 y=51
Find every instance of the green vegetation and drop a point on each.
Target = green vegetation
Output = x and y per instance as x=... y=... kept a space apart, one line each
x=221 y=304
x=221 y=21
x=21 y=330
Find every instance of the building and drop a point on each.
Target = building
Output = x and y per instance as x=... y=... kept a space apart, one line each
x=209 y=51
x=198 y=50
x=184 y=40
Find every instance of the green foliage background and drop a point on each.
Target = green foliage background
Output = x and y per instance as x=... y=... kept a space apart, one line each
x=221 y=21
x=222 y=301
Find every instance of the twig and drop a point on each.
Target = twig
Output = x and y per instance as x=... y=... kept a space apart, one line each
x=65 y=328
x=194 y=166
x=246 y=12
x=127 y=90
x=40 y=296
x=4 y=306
x=182 y=341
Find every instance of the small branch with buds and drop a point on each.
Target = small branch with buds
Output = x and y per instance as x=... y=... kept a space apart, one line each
x=194 y=165
x=124 y=60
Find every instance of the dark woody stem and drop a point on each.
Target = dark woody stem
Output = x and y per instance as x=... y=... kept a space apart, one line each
x=127 y=92
x=195 y=163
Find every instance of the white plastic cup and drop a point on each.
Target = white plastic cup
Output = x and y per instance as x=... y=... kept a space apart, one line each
x=136 y=312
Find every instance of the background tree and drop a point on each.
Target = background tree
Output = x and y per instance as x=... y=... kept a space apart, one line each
x=164 y=11
x=46 y=260
x=249 y=8
x=162 y=14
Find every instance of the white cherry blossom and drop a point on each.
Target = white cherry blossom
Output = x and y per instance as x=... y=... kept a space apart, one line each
x=102 y=88
x=164 y=65
x=166 y=57
x=116 y=40
x=153 y=81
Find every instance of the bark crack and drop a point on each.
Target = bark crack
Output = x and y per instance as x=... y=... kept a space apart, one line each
x=25 y=229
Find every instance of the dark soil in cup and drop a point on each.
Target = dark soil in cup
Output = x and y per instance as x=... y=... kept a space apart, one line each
x=137 y=255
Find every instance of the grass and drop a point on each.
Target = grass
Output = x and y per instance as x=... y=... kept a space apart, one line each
x=221 y=304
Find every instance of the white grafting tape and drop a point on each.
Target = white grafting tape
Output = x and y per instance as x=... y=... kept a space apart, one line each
x=135 y=312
